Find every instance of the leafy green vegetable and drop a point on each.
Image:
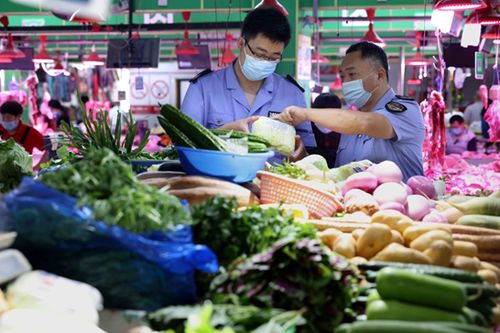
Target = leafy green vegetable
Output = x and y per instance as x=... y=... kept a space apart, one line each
x=99 y=134
x=242 y=319
x=243 y=232
x=64 y=156
x=108 y=186
x=15 y=163
x=292 y=275
x=288 y=169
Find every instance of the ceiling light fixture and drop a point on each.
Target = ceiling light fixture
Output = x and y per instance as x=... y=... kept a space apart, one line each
x=93 y=59
x=43 y=56
x=371 y=35
x=459 y=5
x=273 y=3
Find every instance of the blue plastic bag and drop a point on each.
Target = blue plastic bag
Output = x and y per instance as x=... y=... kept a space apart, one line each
x=132 y=271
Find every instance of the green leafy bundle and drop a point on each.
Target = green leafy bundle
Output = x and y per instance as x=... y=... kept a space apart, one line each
x=288 y=169
x=231 y=233
x=108 y=186
x=99 y=134
x=292 y=275
x=242 y=319
x=15 y=163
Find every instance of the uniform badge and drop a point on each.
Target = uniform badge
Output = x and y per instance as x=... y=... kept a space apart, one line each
x=273 y=114
x=395 y=107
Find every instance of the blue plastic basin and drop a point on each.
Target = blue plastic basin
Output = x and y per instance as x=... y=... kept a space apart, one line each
x=237 y=168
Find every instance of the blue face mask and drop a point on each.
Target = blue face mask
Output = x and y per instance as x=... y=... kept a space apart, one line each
x=256 y=69
x=355 y=94
x=456 y=131
x=9 y=125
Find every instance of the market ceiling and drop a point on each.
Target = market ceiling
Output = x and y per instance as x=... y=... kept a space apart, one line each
x=342 y=22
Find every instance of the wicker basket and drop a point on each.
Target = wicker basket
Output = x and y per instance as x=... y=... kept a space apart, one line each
x=275 y=188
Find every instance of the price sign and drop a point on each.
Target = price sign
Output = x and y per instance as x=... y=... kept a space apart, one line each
x=479 y=65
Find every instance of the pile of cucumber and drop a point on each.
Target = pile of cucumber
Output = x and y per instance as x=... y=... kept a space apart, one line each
x=184 y=131
x=422 y=298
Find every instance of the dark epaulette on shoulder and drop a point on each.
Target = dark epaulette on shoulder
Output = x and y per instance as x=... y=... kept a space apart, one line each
x=290 y=79
x=405 y=98
x=200 y=74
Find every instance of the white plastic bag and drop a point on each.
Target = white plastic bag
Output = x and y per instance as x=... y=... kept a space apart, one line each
x=280 y=135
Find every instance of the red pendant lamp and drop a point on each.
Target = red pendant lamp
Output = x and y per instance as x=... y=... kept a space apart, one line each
x=227 y=53
x=459 y=5
x=185 y=47
x=43 y=56
x=414 y=81
x=274 y=4
x=418 y=59
x=371 y=35
x=93 y=59
x=337 y=84
x=492 y=32
x=5 y=60
x=10 y=50
x=318 y=58
x=486 y=16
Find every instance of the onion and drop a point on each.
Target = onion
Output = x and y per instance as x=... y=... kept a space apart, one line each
x=386 y=172
x=363 y=180
x=422 y=185
x=409 y=191
x=393 y=206
x=390 y=192
x=417 y=207
x=435 y=217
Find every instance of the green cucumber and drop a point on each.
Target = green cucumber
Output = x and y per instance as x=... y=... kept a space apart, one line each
x=415 y=288
x=177 y=137
x=239 y=135
x=474 y=317
x=464 y=328
x=443 y=272
x=373 y=296
x=255 y=147
x=483 y=206
x=481 y=221
x=199 y=135
x=396 y=326
x=480 y=290
x=395 y=310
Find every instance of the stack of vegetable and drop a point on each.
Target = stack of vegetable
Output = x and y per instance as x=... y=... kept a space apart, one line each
x=104 y=183
x=15 y=163
x=293 y=275
x=480 y=301
x=410 y=301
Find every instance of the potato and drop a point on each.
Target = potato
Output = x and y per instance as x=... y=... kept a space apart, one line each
x=375 y=238
x=358 y=260
x=345 y=245
x=329 y=236
x=393 y=219
x=487 y=265
x=423 y=242
x=440 y=253
x=463 y=248
x=396 y=237
x=496 y=315
x=453 y=214
x=466 y=263
x=488 y=275
x=413 y=232
x=357 y=233
x=395 y=252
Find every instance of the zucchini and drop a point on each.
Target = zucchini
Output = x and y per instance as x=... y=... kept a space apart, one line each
x=239 y=135
x=373 y=296
x=397 y=326
x=443 y=272
x=199 y=135
x=483 y=206
x=395 y=310
x=415 y=288
x=464 y=328
x=481 y=221
x=178 y=138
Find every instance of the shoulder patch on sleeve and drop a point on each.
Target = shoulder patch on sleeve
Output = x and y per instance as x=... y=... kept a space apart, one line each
x=290 y=79
x=201 y=74
x=395 y=107
x=405 y=98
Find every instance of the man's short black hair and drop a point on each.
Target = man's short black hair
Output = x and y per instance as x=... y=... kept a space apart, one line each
x=11 y=107
x=269 y=22
x=458 y=118
x=372 y=53
x=327 y=101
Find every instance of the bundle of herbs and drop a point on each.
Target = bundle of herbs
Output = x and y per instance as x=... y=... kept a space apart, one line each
x=103 y=182
x=232 y=233
x=294 y=274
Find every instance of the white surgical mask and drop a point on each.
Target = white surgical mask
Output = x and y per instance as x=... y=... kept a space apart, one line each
x=255 y=69
x=355 y=94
